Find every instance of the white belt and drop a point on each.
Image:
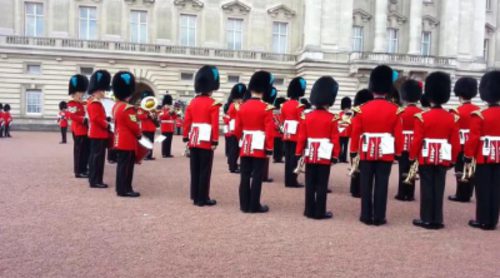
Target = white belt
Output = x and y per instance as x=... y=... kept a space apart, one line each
x=204 y=131
x=463 y=134
x=444 y=151
x=487 y=143
x=257 y=140
x=324 y=151
x=291 y=126
x=408 y=132
x=386 y=142
x=232 y=125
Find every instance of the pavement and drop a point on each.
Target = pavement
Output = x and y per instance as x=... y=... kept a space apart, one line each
x=53 y=225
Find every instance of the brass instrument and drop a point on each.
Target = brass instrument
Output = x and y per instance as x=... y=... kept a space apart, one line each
x=301 y=166
x=186 y=153
x=149 y=103
x=412 y=174
x=354 y=166
x=468 y=172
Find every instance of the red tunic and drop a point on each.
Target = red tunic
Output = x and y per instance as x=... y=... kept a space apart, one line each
x=7 y=117
x=345 y=128
x=291 y=111
x=167 y=120
x=484 y=124
x=408 y=121
x=98 y=126
x=202 y=115
x=127 y=129
x=464 y=111
x=318 y=124
x=77 y=117
x=230 y=118
x=277 y=124
x=62 y=118
x=434 y=125
x=377 y=117
x=146 y=121
x=255 y=119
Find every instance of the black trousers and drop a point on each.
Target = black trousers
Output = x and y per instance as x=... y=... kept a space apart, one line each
x=125 y=161
x=464 y=189
x=233 y=152
x=112 y=156
x=278 y=151
x=405 y=191
x=265 y=172
x=7 y=130
x=178 y=131
x=96 y=160
x=317 y=177
x=64 y=131
x=432 y=182
x=2 y=127
x=81 y=151
x=355 y=187
x=344 y=143
x=166 y=145
x=487 y=179
x=201 y=169
x=251 y=183
x=291 y=161
x=151 y=137
x=374 y=178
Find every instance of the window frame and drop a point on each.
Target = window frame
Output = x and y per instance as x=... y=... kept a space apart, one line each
x=27 y=94
x=233 y=33
x=191 y=18
x=391 y=39
x=90 y=35
x=361 y=38
x=428 y=50
x=141 y=38
x=36 y=17
x=281 y=50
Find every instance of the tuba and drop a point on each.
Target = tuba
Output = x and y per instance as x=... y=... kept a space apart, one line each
x=412 y=174
x=149 y=103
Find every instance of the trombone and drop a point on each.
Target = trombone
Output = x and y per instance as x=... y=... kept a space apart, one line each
x=411 y=176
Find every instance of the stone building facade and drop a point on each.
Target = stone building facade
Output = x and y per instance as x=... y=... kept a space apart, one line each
x=163 y=42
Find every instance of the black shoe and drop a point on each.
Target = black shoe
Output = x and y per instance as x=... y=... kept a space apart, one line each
x=327 y=215
x=296 y=186
x=356 y=195
x=236 y=171
x=454 y=198
x=277 y=161
x=366 y=221
x=329 y=190
x=99 y=185
x=475 y=224
x=436 y=226
x=410 y=199
x=210 y=202
x=488 y=227
x=81 y=176
x=422 y=224
x=379 y=222
x=268 y=180
x=199 y=204
x=62 y=142
x=262 y=209
x=112 y=161
x=149 y=158
x=130 y=194
x=400 y=198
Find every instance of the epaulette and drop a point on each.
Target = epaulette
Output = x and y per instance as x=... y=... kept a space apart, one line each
x=457 y=118
x=302 y=116
x=270 y=107
x=217 y=103
x=300 y=105
x=237 y=106
x=420 y=116
x=400 y=110
x=128 y=106
x=356 y=109
x=479 y=113
x=336 y=117
x=454 y=110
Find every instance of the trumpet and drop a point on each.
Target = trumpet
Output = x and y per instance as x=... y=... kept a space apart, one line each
x=412 y=174
x=354 y=166
x=186 y=153
x=468 y=172
x=301 y=166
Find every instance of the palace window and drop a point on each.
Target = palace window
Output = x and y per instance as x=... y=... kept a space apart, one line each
x=139 y=26
x=233 y=79
x=280 y=37
x=357 y=39
x=187 y=76
x=393 y=40
x=33 y=102
x=33 y=21
x=88 y=23
x=188 y=30
x=87 y=71
x=234 y=33
x=425 y=48
x=34 y=69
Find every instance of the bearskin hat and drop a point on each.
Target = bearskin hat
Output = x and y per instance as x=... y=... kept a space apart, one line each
x=1 y=106
x=99 y=81
x=489 y=88
x=438 y=87
x=123 y=84
x=237 y=92
x=63 y=105
x=270 y=96
x=167 y=100
x=362 y=97
x=261 y=82
x=279 y=101
x=466 y=88
x=207 y=80
x=296 y=88
x=324 y=91
x=345 y=103
x=305 y=102
x=424 y=101
x=78 y=83
x=6 y=107
x=411 y=90
x=381 y=80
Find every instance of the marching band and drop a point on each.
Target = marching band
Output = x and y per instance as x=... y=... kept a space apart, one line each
x=373 y=130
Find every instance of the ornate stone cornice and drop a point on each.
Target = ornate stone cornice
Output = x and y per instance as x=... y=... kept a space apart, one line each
x=281 y=9
x=430 y=21
x=362 y=14
x=236 y=6
x=490 y=28
x=396 y=17
x=196 y=4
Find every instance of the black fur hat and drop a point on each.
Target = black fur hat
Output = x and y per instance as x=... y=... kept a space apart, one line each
x=381 y=80
x=6 y=107
x=306 y=103
x=78 y=83
x=1 y=106
x=362 y=97
x=167 y=100
x=424 y=101
x=324 y=91
x=345 y=103
x=207 y=80
x=99 y=81
x=237 y=92
x=261 y=82
x=63 y=105
x=279 y=101
x=438 y=87
x=123 y=84
x=489 y=88
x=296 y=88
x=146 y=94
x=270 y=96
x=466 y=87
x=411 y=91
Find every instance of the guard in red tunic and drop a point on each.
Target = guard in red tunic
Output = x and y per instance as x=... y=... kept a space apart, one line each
x=483 y=148
x=7 y=119
x=269 y=98
x=99 y=127
x=2 y=122
x=233 y=150
x=254 y=128
x=465 y=89
x=201 y=132
x=436 y=146
x=410 y=93
x=291 y=113
x=167 y=117
x=127 y=133
x=344 y=127
x=148 y=123
x=78 y=85
x=62 y=120
x=361 y=98
x=278 y=151
x=377 y=139
x=319 y=143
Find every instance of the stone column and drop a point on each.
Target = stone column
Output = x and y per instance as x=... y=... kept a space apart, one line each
x=415 y=32
x=479 y=29
x=312 y=24
x=380 y=41
x=345 y=28
x=448 y=32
